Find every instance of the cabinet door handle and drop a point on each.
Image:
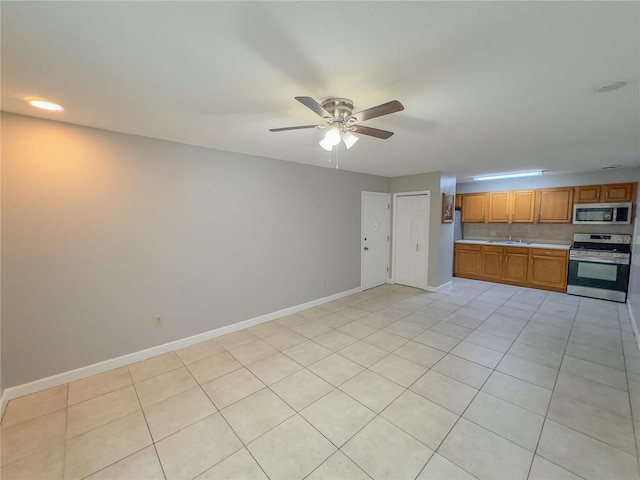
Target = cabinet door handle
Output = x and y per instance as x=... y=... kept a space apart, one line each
x=500 y=258
x=606 y=194
x=506 y=259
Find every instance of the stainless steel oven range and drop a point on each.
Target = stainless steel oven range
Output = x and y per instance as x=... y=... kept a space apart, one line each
x=599 y=266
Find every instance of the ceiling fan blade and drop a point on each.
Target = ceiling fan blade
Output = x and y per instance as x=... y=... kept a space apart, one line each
x=282 y=129
x=384 y=109
x=372 y=132
x=311 y=104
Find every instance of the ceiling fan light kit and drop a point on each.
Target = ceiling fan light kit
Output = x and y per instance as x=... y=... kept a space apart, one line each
x=341 y=123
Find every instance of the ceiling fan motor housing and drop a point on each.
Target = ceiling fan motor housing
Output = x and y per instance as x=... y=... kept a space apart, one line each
x=340 y=108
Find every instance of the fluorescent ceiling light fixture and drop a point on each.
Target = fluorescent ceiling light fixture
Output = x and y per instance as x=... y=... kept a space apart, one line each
x=500 y=176
x=44 y=104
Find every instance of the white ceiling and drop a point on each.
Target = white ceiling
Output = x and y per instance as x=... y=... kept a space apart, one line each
x=487 y=86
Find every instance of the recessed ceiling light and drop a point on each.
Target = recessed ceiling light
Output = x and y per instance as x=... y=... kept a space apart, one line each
x=44 y=104
x=499 y=176
x=607 y=87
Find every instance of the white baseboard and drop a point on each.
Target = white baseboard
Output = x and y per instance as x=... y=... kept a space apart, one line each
x=634 y=326
x=3 y=403
x=128 y=359
x=439 y=288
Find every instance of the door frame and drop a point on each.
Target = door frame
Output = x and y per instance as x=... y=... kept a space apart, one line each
x=388 y=196
x=393 y=235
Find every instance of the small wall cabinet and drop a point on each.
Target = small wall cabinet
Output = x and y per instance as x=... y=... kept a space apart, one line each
x=617 y=192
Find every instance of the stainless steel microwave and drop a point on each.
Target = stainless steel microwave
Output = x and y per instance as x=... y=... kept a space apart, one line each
x=602 y=213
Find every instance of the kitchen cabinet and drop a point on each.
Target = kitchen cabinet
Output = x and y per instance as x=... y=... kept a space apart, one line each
x=516 y=262
x=511 y=207
x=505 y=263
x=458 y=204
x=615 y=192
x=621 y=192
x=587 y=194
x=548 y=268
x=492 y=262
x=554 y=205
x=474 y=207
x=467 y=261
x=544 y=268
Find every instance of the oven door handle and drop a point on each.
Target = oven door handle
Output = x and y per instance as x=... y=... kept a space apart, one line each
x=599 y=260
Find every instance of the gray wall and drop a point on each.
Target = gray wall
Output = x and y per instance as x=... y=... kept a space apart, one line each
x=439 y=237
x=102 y=232
x=633 y=296
x=446 y=244
x=550 y=181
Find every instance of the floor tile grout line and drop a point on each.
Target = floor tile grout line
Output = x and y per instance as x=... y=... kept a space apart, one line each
x=551 y=397
x=458 y=420
x=218 y=411
x=104 y=424
x=634 y=427
x=153 y=442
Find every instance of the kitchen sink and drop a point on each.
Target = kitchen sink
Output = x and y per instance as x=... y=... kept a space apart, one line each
x=508 y=242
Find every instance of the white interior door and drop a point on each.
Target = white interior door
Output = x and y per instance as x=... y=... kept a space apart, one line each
x=374 y=245
x=411 y=239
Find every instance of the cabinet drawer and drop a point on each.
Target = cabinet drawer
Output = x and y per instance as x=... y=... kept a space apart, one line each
x=516 y=250
x=549 y=252
x=467 y=246
x=492 y=248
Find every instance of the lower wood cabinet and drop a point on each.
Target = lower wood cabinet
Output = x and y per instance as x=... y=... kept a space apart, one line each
x=535 y=267
x=467 y=261
x=504 y=263
x=516 y=264
x=548 y=268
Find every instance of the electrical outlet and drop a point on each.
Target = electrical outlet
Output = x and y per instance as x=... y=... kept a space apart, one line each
x=158 y=321
x=324 y=282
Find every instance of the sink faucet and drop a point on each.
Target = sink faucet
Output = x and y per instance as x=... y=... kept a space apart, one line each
x=508 y=237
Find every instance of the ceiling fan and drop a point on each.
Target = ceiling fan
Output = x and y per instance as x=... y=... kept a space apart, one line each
x=341 y=123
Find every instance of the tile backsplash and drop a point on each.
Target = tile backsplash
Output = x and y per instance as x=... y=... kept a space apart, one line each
x=538 y=232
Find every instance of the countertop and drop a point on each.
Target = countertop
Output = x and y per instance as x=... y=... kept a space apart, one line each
x=504 y=243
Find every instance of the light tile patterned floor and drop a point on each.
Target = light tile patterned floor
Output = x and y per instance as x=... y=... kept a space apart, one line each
x=478 y=381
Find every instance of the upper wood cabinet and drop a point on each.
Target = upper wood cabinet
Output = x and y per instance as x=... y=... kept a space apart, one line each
x=522 y=206
x=511 y=207
x=498 y=211
x=617 y=192
x=474 y=206
x=587 y=194
x=554 y=205
x=546 y=205
x=458 y=205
